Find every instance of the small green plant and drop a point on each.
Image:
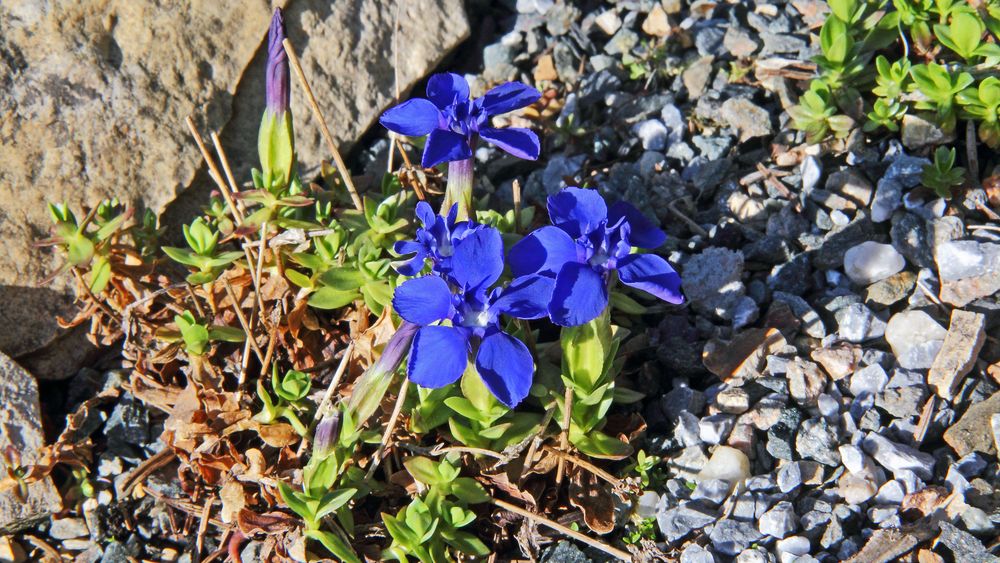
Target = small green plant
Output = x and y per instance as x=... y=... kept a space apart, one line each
x=646 y=468
x=885 y=113
x=430 y=526
x=196 y=337
x=983 y=104
x=485 y=422
x=84 y=247
x=942 y=175
x=644 y=529
x=939 y=87
x=816 y=114
x=963 y=35
x=203 y=255
x=291 y=391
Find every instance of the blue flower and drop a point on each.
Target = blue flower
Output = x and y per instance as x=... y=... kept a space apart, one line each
x=587 y=242
x=460 y=315
x=276 y=83
x=453 y=122
x=435 y=241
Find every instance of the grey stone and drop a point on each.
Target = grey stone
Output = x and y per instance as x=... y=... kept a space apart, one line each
x=739 y=43
x=730 y=537
x=713 y=147
x=817 y=440
x=746 y=117
x=652 y=133
x=909 y=237
x=902 y=402
x=871 y=379
x=915 y=338
x=780 y=436
x=564 y=552
x=711 y=281
x=68 y=528
x=694 y=553
x=711 y=491
x=857 y=323
x=780 y=521
x=898 y=457
x=964 y=546
x=870 y=262
x=622 y=42
x=678 y=522
x=968 y=270
x=836 y=243
x=708 y=40
x=21 y=427
x=888 y=198
x=959 y=352
x=917 y=132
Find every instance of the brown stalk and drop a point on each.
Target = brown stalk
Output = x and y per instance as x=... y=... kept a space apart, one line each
x=387 y=435
x=213 y=170
x=235 y=206
x=243 y=320
x=203 y=526
x=614 y=481
x=612 y=551
x=564 y=433
x=345 y=175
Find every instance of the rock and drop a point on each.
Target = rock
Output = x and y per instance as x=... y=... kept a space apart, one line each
x=811 y=323
x=995 y=426
x=966 y=336
x=816 y=440
x=902 y=402
x=888 y=198
x=694 y=553
x=974 y=431
x=622 y=42
x=909 y=237
x=696 y=75
x=792 y=548
x=672 y=6
x=857 y=323
x=780 y=521
x=680 y=521
x=870 y=262
x=652 y=133
x=780 y=436
x=729 y=537
x=656 y=23
x=728 y=464
x=733 y=400
x=898 y=457
x=11 y=551
x=608 y=21
x=711 y=491
x=739 y=43
x=964 y=546
x=564 y=552
x=891 y=290
x=968 y=270
x=21 y=423
x=68 y=528
x=868 y=380
x=746 y=117
x=915 y=338
x=839 y=360
x=711 y=281
x=917 y=132
x=805 y=381
x=852 y=186
x=714 y=429
x=97 y=93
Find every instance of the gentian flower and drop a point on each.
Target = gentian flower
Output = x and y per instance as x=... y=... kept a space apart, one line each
x=276 y=139
x=459 y=315
x=453 y=122
x=435 y=240
x=585 y=244
x=277 y=82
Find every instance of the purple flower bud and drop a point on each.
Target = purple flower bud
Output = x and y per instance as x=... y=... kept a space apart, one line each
x=326 y=435
x=277 y=66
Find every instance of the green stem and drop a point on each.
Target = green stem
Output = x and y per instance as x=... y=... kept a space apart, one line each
x=459 y=189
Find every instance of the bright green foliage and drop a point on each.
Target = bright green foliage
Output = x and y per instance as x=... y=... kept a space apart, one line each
x=429 y=528
x=291 y=390
x=646 y=468
x=963 y=35
x=276 y=149
x=645 y=529
x=942 y=175
x=885 y=113
x=816 y=114
x=484 y=421
x=892 y=79
x=87 y=244
x=203 y=255
x=983 y=105
x=197 y=336
x=940 y=86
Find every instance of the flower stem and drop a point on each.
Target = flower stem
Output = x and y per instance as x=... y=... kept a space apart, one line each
x=459 y=189
x=373 y=384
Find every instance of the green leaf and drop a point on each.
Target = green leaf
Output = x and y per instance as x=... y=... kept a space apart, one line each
x=334 y=544
x=843 y=9
x=423 y=469
x=626 y=304
x=224 y=259
x=100 y=275
x=599 y=445
x=469 y=490
x=333 y=501
x=330 y=298
x=468 y=543
x=195 y=335
x=398 y=530
x=276 y=149
x=298 y=505
x=226 y=333
x=835 y=40
x=464 y=407
x=293 y=387
x=80 y=250
x=627 y=396
x=298 y=278
x=343 y=279
x=183 y=256
x=199 y=278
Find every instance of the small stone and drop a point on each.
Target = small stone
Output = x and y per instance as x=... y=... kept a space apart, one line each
x=968 y=270
x=656 y=23
x=892 y=492
x=789 y=477
x=622 y=42
x=975 y=431
x=696 y=75
x=888 y=198
x=730 y=537
x=689 y=463
x=678 y=522
x=746 y=117
x=782 y=433
x=964 y=546
x=791 y=548
x=780 y=521
x=852 y=457
x=68 y=528
x=739 y=43
x=857 y=323
x=995 y=425
x=839 y=361
x=608 y=21
x=811 y=323
x=870 y=262
x=902 y=402
x=917 y=132
x=733 y=400
x=714 y=429
x=959 y=351
x=694 y=553
x=898 y=458
x=805 y=381
x=545 y=69
x=645 y=507
x=672 y=6
x=742 y=438
x=728 y=464
x=708 y=39
x=811 y=172
x=870 y=380
x=711 y=281
x=855 y=489
x=851 y=185
x=712 y=491
x=562 y=552
x=892 y=289
x=816 y=440
x=915 y=338
x=11 y=551
x=652 y=133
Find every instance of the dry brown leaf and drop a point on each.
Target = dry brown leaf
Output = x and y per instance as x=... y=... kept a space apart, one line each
x=592 y=497
x=233 y=500
x=269 y=523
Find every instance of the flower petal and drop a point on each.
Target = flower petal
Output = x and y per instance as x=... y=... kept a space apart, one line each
x=478 y=259
x=505 y=365
x=410 y=266
x=522 y=143
x=425 y=213
x=414 y=117
x=423 y=300
x=577 y=211
x=445 y=146
x=641 y=231
x=579 y=296
x=544 y=251
x=527 y=297
x=509 y=97
x=653 y=275
x=443 y=89
x=438 y=356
